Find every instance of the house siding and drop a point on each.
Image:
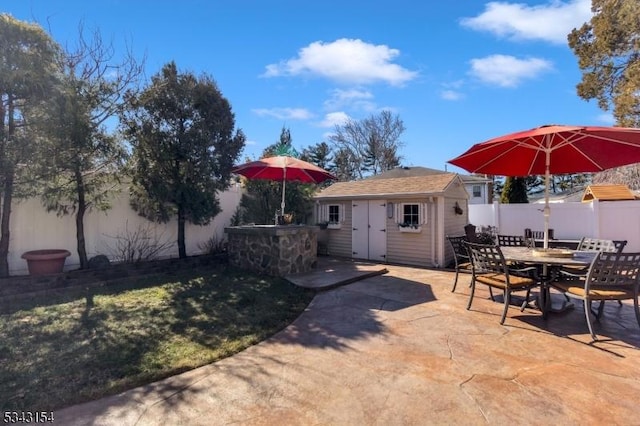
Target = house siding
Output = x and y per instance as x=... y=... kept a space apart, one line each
x=340 y=239
x=454 y=223
x=409 y=248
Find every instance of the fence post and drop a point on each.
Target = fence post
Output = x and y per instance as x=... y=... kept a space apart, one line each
x=496 y=215
x=595 y=217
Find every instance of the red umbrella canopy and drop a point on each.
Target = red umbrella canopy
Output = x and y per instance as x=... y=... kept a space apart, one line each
x=564 y=149
x=553 y=149
x=282 y=168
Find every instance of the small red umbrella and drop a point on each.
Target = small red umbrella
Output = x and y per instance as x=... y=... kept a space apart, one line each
x=283 y=168
x=553 y=149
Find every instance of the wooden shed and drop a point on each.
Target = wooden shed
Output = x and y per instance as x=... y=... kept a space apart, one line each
x=607 y=193
x=395 y=217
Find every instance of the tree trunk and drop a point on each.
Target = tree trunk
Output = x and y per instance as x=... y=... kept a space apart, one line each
x=182 y=252
x=82 y=251
x=7 y=197
x=82 y=208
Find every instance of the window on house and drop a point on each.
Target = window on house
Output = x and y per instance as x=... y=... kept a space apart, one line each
x=334 y=214
x=477 y=191
x=410 y=214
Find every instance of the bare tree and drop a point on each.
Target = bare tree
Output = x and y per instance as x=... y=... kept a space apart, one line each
x=370 y=146
x=83 y=161
x=628 y=175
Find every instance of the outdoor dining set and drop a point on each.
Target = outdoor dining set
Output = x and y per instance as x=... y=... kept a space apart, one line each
x=597 y=271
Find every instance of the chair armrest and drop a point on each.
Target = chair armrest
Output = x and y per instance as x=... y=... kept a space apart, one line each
x=528 y=271
x=573 y=273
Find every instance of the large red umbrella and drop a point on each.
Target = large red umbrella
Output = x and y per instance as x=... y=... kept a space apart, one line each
x=553 y=149
x=283 y=168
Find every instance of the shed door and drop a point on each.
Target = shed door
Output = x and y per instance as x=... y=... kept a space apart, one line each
x=369 y=234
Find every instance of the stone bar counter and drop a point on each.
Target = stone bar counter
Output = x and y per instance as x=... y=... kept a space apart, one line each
x=276 y=250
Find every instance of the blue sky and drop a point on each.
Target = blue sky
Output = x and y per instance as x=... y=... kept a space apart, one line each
x=455 y=72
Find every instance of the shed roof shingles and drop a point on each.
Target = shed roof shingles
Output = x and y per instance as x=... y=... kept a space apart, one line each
x=607 y=193
x=415 y=185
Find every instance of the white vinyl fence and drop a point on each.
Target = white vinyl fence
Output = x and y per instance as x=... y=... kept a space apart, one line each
x=32 y=228
x=615 y=220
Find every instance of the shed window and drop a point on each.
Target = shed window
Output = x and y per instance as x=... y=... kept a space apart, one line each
x=477 y=191
x=334 y=214
x=410 y=214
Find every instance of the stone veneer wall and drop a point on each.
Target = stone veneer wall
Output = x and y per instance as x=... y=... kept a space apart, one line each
x=273 y=250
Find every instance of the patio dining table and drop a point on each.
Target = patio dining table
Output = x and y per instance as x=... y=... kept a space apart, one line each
x=549 y=262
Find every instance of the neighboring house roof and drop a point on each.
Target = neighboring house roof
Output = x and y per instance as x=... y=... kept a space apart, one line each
x=569 y=196
x=607 y=193
x=430 y=184
x=407 y=172
x=474 y=179
x=425 y=171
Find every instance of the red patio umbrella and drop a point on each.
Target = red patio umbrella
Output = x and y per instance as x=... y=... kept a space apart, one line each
x=553 y=149
x=283 y=168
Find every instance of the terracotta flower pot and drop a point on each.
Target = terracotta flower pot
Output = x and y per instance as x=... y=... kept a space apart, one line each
x=43 y=262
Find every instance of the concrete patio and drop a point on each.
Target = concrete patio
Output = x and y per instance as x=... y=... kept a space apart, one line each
x=401 y=349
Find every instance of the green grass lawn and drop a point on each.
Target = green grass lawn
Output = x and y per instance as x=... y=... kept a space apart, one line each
x=55 y=353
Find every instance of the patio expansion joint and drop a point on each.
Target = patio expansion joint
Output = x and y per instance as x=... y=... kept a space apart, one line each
x=512 y=379
x=426 y=316
x=474 y=400
x=449 y=348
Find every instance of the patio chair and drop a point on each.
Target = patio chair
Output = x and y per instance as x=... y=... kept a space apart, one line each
x=511 y=240
x=596 y=244
x=537 y=235
x=592 y=244
x=489 y=267
x=460 y=256
x=470 y=233
x=611 y=276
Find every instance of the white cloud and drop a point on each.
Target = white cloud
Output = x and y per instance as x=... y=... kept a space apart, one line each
x=345 y=61
x=451 y=95
x=250 y=142
x=351 y=98
x=284 y=113
x=451 y=91
x=606 y=118
x=507 y=71
x=550 y=22
x=334 y=119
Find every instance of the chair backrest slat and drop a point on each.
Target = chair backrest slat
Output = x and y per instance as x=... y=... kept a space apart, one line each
x=486 y=258
x=596 y=244
x=538 y=235
x=460 y=251
x=511 y=241
x=612 y=269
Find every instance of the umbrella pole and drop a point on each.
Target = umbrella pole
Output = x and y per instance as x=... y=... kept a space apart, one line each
x=547 y=210
x=284 y=188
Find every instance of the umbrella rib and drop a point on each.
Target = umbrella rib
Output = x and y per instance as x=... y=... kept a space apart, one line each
x=494 y=158
x=579 y=136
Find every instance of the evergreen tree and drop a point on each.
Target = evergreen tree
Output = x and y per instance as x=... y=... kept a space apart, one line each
x=181 y=129
x=514 y=191
x=28 y=76
x=318 y=154
x=261 y=202
x=608 y=54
